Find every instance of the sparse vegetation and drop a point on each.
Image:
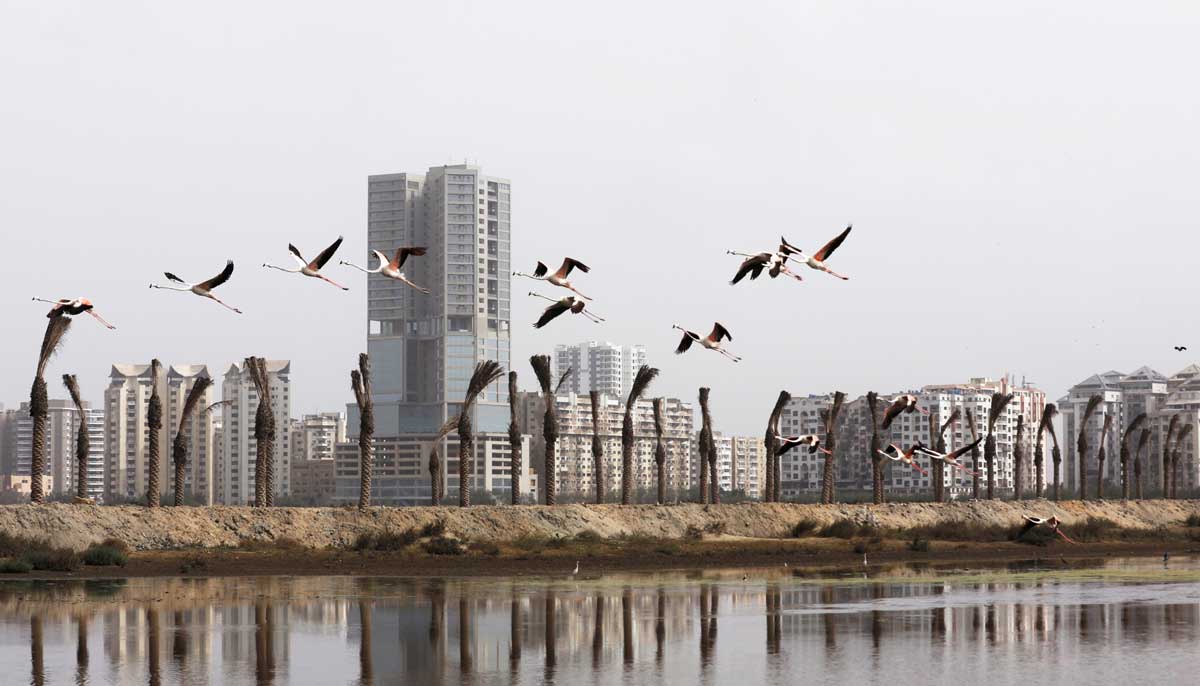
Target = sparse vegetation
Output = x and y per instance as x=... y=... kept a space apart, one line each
x=919 y=545
x=15 y=566
x=486 y=548
x=804 y=528
x=105 y=556
x=193 y=565
x=54 y=560
x=1193 y=520
x=442 y=545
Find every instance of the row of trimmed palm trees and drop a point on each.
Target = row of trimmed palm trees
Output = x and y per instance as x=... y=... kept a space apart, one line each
x=488 y=372
x=39 y=406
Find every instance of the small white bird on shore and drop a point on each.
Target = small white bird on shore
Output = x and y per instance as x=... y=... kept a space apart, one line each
x=576 y=571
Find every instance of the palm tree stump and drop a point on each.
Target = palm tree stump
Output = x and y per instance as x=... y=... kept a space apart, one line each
x=1081 y=444
x=975 y=465
x=703 y=441
x=645 y=375
x=999 y=402
x=39 y=406
x=264 y=432
x=877 y=495
x=179 y=448
x=771 y=440
x=1102 y=454
x=541 y=369
x=660 y=451
x=1134 y=426
x=1019 y=459
x=486 y=373
x=1143 y=446
x=830 y=419
x=82 y=441
x=940 y=473
x=154 y=424
x=514 y=440
x=1172 y=427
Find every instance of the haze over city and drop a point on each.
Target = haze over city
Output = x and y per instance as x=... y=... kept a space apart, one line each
x=1020 y=192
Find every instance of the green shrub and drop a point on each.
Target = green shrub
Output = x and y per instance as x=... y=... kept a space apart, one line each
x=805 y=527
x=588 y=536
x=1193 y=520
x=104 y=556
x=116 y=543
x=442 y=545
x=395 y=540
x=693 y=533
x=54 y=560
x=1095 y=529
x=715 y=528
x=15 y=565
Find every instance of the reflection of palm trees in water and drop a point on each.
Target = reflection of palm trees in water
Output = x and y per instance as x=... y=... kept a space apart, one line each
x=37 y=660
x=366 y=671
x=551 y=636
x=774 y=603
x=514 y=633
x=660 y=627
x=598 y=633
x=627 y=625
x=81 y=650
x=153 y=638
x=179 y=641
x=466 y=662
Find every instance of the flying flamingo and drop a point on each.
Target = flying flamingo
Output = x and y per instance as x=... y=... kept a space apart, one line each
x=569 y=303
x=816 y=261
x=67 y=306
x=558 y=278
x=895 y=454
x=712 y=341
x=312 y=268
x=204 y=288
x=774 y=263
x=952 y=458
x=392 y=269
x=902 y=404
x=811 y=441
x=1034 y=522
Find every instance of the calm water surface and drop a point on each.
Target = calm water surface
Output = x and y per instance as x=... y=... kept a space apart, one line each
x=1117 y=621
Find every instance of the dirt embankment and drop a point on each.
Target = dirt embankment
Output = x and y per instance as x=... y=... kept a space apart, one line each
x=167 y=528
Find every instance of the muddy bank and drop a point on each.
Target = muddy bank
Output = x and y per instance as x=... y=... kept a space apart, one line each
x=77 y=526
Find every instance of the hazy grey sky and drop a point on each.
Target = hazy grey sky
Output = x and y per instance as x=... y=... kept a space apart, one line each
x=1021 y=177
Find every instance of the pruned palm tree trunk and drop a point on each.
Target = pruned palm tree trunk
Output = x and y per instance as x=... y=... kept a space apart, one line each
x=1019 y=459
x=936 y=473
x=82 y=441
x=514 y=440
x=940 y=473
x=541 y=369
x=876 y=445
x=828 y=474
x=1039 y=453
x=486 y=373
x=437 y=481
x=660 y=451
x=645 y=375
x=39 y=407
x=1172 y=427
x=597 y=449
x=154 y=424
x=1133 y=427
x=1081 y=443
x=1102 y=454
x=771 y=440
x=710 y=451
x=999 y=402
x=179 y=448
x=703 y=442
x=264 y=433
x=360 y=383
x=1143 y=446
x=975 y=465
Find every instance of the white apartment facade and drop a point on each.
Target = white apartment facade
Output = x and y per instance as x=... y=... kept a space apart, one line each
x=598 y=366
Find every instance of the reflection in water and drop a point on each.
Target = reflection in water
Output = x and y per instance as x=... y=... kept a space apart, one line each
x=522 y=631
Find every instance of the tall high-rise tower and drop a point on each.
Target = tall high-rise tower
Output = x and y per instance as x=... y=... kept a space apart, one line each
x=424 y=347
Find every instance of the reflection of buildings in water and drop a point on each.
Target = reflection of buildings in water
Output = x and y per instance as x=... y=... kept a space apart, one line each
x=426 y=631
